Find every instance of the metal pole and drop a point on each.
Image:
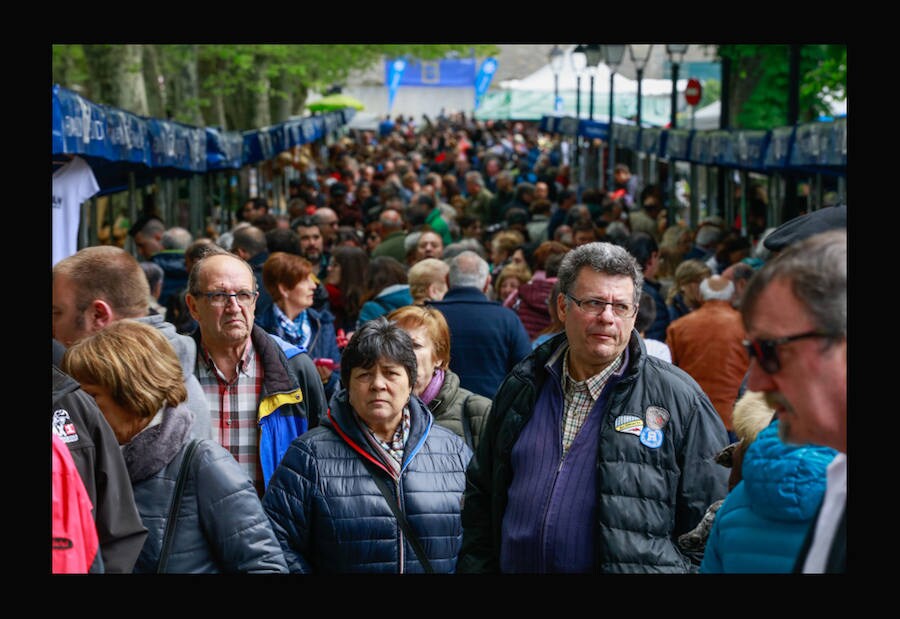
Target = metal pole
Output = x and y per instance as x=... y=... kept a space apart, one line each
x=577 y=119
x=555 y=93
x=610 y=181
x=640 y=75
x=674 y=120
x=591 y=104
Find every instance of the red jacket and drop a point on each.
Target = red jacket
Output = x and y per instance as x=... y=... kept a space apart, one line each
x=530 y=303
x=74 y=534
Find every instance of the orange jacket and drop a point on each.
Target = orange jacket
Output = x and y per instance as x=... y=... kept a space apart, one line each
x=706 y=344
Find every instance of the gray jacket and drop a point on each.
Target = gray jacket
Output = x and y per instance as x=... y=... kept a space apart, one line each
x=460 y=410
x=221 y=526
x=186 y=349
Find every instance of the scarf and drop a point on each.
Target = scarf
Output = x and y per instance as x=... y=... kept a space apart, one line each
x=437 y=381
x=296 y=331
x=391 y=454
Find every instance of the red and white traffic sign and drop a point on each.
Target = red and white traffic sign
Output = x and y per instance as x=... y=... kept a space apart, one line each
x=693 y=92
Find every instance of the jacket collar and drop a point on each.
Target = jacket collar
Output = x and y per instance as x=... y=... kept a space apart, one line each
x=340 y=420
x=464 y=294
x=153 y=448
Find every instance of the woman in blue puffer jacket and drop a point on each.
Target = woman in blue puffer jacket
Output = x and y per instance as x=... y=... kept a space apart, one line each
x=324 y=503
x=764 y=519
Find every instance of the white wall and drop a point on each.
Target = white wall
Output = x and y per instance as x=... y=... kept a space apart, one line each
x=414 y=100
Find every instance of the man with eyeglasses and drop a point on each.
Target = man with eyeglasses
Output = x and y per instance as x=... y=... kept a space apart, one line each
x=596 y=456
x=260 y=397
x=795 y=313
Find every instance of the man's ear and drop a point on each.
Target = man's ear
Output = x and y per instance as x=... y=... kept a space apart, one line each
x=487 y=284
x=99 y=315
x=192 y=306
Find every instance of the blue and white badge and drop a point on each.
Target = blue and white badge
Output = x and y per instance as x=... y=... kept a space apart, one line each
x=651 y=438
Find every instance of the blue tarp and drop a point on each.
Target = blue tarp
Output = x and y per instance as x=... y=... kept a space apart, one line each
x=817 y=147
x=116 y=142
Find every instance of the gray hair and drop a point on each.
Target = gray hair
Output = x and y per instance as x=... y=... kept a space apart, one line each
x=468 y=269
x=816 y=270
x=176 y=238
x=603 y=258
x=153 y=272
x=708 y=294
x=475 y=177
x=454 y=249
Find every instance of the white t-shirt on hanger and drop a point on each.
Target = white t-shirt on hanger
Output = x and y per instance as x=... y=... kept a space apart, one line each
x=72 y=184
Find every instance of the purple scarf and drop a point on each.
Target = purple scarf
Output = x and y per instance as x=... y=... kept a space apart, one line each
x=437 y=381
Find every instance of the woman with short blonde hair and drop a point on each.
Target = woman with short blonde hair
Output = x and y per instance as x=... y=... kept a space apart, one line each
x=135 y=376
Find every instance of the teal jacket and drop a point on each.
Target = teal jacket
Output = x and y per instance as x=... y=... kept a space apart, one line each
x=763 y=521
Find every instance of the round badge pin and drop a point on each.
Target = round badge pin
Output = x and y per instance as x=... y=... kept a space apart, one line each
x=651 y=438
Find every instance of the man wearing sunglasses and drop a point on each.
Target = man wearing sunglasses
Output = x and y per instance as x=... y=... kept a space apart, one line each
x=259 y=398
x=795 y=313
x=596 y=456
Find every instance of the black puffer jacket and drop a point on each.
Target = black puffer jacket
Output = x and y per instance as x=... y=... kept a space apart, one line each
x=221 y=525
x=330 y=517
x=647 y=497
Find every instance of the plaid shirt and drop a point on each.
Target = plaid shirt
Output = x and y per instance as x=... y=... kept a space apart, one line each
x=233 y=409
x=581 y=397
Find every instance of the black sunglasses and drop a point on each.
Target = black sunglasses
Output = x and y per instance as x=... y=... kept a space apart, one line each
x=766 y=351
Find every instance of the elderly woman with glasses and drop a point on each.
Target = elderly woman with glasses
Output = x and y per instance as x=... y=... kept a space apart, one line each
x=219 y=524
x=377 y=486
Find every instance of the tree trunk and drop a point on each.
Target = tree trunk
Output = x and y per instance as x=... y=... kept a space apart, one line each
x=219 y=105
x=156 y=90
x=283 y=99
x=132 y=93
x=190 y=90
x=302 y=92
x=102 y=61
x=261 y=115
x=745 y=77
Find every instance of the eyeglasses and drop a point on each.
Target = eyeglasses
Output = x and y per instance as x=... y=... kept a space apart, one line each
x=220 y=299
x=766 y=351
x=595 y=307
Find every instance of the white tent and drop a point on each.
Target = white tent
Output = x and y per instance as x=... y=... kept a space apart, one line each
x=542 y=80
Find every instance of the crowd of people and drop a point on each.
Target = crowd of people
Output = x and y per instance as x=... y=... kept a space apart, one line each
x=440 y=354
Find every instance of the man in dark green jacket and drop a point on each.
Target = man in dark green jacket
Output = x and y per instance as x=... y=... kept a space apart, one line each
x=596 y=456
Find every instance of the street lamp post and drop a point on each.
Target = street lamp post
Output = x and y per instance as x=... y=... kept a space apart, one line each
x=676 y=54
x=556 y=65
x=579 y=62
x=594 y=55
x=613 y=55
x=640 y=54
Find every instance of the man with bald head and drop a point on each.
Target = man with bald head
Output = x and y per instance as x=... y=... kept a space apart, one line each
x=259 y=396
x=708 y=344
x=393 y=235
x=327 y=220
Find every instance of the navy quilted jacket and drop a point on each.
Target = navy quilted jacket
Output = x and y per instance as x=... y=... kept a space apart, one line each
x=330 y=516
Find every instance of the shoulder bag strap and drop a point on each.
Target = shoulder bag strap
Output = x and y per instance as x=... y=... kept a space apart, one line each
x=401 y=518
x=169 y=532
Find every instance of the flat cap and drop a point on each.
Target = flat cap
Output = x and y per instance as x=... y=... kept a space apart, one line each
x=805 y=226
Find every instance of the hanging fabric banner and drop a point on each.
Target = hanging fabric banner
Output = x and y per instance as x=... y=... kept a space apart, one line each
x=395 y=73
x=483 y=80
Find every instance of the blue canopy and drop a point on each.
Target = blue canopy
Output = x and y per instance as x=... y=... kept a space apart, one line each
x=116 y=142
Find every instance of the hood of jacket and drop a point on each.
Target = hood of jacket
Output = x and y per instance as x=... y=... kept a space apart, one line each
x=340 y=420
x=154 y=447
x=184 y=345
x=785 y=482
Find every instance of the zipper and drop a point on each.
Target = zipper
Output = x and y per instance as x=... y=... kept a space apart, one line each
x=399 y=529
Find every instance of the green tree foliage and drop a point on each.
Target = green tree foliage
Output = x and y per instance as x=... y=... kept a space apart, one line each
x=238 y=87
x=760 y=82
